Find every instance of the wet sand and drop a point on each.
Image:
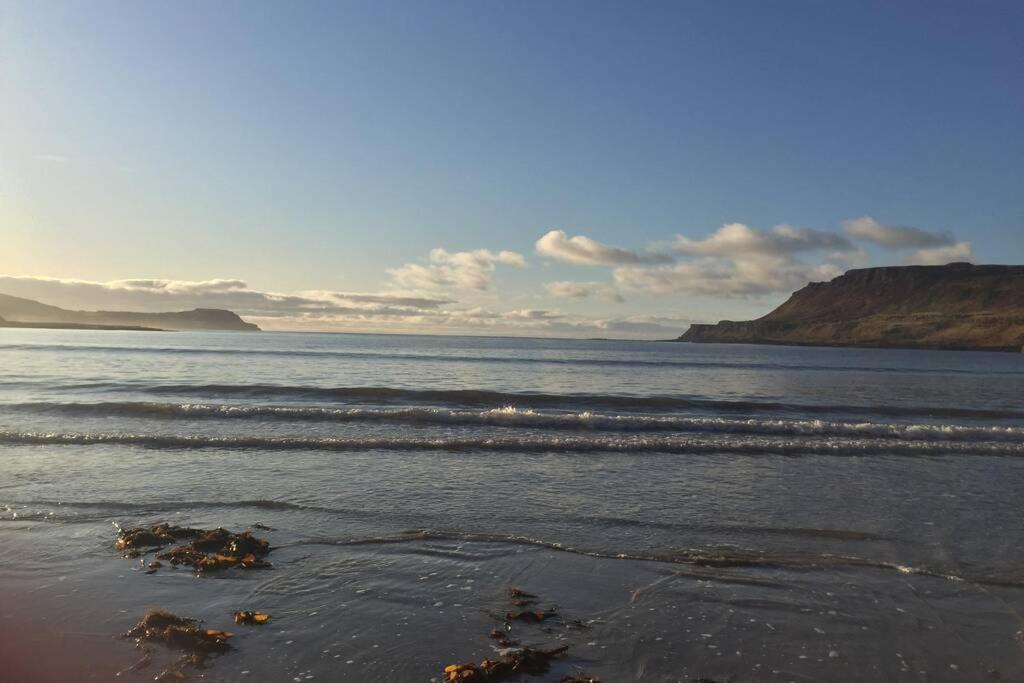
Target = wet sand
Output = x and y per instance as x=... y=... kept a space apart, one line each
x=402 y=611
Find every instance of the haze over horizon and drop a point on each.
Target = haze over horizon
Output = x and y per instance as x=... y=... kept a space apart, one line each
x=579 y=169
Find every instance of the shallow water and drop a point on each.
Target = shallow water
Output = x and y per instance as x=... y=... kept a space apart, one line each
x=735 y=512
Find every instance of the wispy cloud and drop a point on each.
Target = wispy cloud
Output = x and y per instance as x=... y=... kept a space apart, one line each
x=895 y=236
x=461 y=269
x=320 y=310
x=937 y=256
x=581 y=250
x=738 y=260
x=582 y=290
x=165 y=295
x=735 y=240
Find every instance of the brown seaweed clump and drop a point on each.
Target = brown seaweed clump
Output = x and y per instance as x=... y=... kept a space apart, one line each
x=133 y=542
x=210 y=549
x=515 y=660
x=250 y=617
x=158 y=626
x=522 y=660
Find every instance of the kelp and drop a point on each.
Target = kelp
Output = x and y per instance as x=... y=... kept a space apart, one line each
x=520 y=598
x=514 y=660
x=209 y=549
x=524 y=660
x=160 y=627
x=250 y=617
x=534 y=616
x=132 y=542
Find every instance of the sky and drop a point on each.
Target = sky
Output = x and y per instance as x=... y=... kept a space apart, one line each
x=531 y=168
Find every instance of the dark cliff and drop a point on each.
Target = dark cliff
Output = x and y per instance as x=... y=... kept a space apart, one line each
x=18 y=310
x=956 y=306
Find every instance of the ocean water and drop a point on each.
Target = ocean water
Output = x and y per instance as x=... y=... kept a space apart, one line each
x=738 y=513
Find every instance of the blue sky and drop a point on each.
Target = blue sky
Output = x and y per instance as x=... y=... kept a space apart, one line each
x=322 y=150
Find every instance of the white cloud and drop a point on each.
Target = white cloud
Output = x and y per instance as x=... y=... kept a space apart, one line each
x=582 y=250
x=738 y=260
x=720 y=277
x=940 y=256
x=895 y=236
x=319 y=310
x=461 y=269
x=583 y=290
x=156 y=295
x=737 y=239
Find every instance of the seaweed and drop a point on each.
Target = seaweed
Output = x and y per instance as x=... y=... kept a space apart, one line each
x=250 y=617
x=209 y=550
x=524 y=660
x=158 y=626
x=139 y=538
x=535 y=616
x=513 y=659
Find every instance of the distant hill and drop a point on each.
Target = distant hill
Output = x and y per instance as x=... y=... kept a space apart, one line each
x=15 y=310
x=956 y=306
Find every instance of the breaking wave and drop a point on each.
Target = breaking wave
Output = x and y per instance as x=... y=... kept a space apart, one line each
x=478 y=398
x=511 y=416
x=525 y=444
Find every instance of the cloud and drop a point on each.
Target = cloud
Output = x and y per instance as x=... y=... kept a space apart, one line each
x=582 y=250
x=156 y=295
x=583 y=290
x=461 y=269
x=726 y=278
x=321 y=310
x=737 y=260
x=895 y=236
x=737 y=239
x=939 y=256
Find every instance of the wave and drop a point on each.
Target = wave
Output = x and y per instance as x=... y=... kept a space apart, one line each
x=510 y=359
x=513 y=417
x=482 y=398
x=526 y=444
x=705 y=558
x=49 y=509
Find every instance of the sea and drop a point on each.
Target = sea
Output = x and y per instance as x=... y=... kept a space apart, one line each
x=681 y=512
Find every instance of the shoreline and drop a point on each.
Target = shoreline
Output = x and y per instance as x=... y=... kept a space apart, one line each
x=406 y=611
x=78 y=326
x=827 y=345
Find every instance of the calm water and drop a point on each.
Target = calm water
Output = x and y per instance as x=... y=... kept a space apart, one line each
x=736 y=512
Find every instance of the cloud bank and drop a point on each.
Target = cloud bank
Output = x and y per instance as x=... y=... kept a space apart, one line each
x=443 y=293
x=895 y=236
x=461 y=269
x=583 y=290
x=738 y=260
x=323 y=310
x=582 y=250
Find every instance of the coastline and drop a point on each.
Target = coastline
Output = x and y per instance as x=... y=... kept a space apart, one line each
x=78 y=326
x=839 y=345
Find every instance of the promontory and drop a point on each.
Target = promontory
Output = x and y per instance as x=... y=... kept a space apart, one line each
x=18 y=312
x=955 y=306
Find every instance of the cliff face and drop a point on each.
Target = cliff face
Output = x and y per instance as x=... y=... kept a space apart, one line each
x=956 y=306
x=16 y=309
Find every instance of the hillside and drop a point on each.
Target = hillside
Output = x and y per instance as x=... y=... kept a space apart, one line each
x=17 y=310
x=956 y=306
